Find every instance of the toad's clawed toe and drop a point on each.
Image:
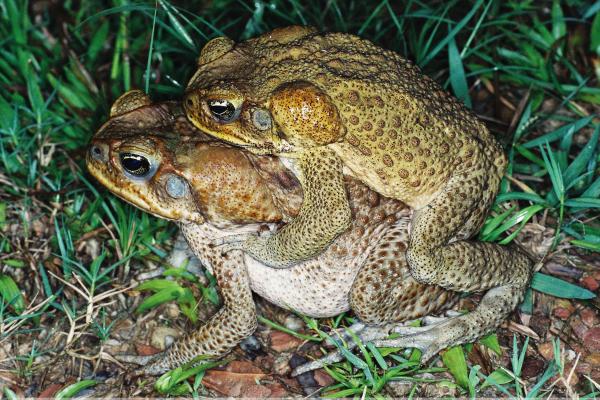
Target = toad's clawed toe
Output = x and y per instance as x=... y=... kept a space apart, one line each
x=230 y=239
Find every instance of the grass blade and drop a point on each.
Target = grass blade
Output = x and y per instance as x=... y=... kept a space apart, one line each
x=559 y=288
x=73 y=389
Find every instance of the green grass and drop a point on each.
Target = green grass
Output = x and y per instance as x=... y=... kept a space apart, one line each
x=525 y=66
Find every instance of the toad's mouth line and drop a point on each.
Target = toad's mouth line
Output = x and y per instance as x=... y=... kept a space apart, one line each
x=239 y=141
x=108 y=178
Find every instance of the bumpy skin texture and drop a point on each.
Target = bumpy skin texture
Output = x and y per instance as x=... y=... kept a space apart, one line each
x=229 y=191
x=319 y=99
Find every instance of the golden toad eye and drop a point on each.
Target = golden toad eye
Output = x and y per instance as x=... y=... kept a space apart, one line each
x=223 y=110
x=135 y=164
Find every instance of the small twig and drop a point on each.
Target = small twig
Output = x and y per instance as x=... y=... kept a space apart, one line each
x=92 y=233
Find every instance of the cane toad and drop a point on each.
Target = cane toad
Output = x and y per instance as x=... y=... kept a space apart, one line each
x=152 y=157
x=333 y=103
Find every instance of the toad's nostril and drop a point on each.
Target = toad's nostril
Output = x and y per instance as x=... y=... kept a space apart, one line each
x=189 y=102
x=96 y=152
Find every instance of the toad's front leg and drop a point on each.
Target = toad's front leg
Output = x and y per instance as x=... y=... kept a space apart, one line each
x=235 y=321
x=324 y=215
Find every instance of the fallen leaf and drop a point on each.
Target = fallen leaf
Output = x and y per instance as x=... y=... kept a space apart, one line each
x=242 y=379
x=146 y=350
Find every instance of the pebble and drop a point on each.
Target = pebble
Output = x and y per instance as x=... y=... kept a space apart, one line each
x=281 y=341
x=163 y=337
x=532 y=367
x=562 y=313
x=281 y=365
x=172 y=311
x=293 y=323
x=250 y=344
x=590 y=283
x=546 y=350
x=589 y=317
x=591 y=339
x=323 y=378
x=578 y=327
x=593 y=359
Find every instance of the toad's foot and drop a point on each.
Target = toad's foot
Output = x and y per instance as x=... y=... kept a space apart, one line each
x=229 y=243
x=251 y=244
x=466 y=328
x=345 y=337
x=235 y=321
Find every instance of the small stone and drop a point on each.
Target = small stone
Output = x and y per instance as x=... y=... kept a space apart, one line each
x=293 y=323
x=123 y=329
x=593 y=359
x=546 y=350
x=398 y=389
x=590 y=283
x=578 y=327
x=112 y=343
x=38 y=227
x=323 y=378
x=281 y=341
x=570 y=355
x=172 y=311
x=145 y=350
x=562 y=313
x=532 y=367
x=589 y=317
x=281 y=365
x=250 y=344
x=163 y=337
x=539 y=324
x=563 y=308
x=439 y=389
x=591 y=339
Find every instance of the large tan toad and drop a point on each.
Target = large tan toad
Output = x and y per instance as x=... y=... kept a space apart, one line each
x=328 y=103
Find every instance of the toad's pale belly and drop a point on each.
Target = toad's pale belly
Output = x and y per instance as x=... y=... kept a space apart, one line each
x=316 y=288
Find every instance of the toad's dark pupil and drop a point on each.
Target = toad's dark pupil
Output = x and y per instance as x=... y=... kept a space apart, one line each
x=222 y=109
x=135 y=164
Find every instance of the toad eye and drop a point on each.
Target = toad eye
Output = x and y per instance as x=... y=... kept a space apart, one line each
x=223 y=110
x=135 y=164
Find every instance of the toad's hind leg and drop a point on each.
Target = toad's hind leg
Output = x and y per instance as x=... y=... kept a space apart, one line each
x=384 y=294
x=494 y=307
x=463 y=265
x=384 y=290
